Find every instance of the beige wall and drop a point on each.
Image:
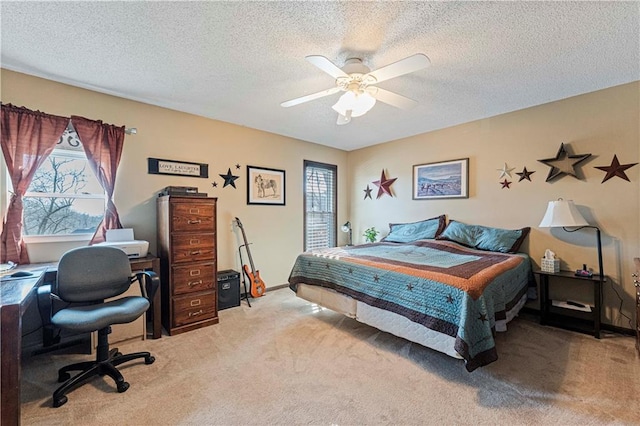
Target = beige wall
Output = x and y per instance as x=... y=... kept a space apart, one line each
x=276 y=232
x=602 y=123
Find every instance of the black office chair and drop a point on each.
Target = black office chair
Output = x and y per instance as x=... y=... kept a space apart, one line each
x=91 y=275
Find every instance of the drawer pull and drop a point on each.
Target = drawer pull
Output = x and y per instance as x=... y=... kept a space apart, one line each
x=194 y=222
x=192 y=283
x=194 y=211
x=194 y=272
x=195 y=302
x=195 y=252
x=193 y=314
x=194 y=241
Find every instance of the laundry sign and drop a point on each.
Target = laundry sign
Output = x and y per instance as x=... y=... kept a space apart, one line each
x=159 y=166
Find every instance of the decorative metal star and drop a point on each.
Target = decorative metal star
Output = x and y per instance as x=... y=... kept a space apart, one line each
x=410 y=287
x=351 y=270
x=229 y=179
x=482 y=317
x=449 y=298
x=563 y=163
x=525 y=174
x=384 y=185
x=327 y=265
x=367 y=193
x=505 y=184
x=615 y=169
x=237 y=166
x=214 y=184
x=505 y=171
x=376 y=278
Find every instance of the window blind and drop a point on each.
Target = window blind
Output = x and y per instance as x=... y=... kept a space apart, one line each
x=320 y=205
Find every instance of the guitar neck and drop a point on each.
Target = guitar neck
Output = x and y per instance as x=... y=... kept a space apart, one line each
x=246 y=245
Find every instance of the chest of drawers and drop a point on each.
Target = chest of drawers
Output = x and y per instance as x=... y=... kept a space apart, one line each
x=188 y=262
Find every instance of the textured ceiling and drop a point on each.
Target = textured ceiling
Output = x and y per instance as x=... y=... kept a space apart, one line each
x=237 y=61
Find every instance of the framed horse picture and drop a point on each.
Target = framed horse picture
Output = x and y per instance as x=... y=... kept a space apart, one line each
x=265 y=186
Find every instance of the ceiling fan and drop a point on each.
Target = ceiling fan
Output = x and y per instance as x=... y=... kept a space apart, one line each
x=358 y=83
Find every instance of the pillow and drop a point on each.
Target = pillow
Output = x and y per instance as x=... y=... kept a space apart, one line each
x=484 y=237
x=408 y=232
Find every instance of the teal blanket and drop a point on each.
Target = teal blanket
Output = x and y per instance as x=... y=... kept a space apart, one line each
x=442 y=285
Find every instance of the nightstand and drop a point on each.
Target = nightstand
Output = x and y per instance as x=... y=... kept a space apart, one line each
x=566 y=316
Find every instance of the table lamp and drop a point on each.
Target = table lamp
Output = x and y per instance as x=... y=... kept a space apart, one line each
x=347 y=228
x=563 y=214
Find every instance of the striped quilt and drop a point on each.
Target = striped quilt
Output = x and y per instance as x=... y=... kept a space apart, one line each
x=442 y=285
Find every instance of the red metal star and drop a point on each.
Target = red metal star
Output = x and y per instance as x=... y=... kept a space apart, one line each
x=384 y=185
x=615 y=169
x=505 y=184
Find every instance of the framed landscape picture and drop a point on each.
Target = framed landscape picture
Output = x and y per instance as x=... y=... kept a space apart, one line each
x=265 y=186
x=445 y=179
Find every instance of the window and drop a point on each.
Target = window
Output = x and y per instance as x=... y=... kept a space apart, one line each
x=320 y=194
x=65 y=197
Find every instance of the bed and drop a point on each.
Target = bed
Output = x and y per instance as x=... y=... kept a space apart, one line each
x=439 y=293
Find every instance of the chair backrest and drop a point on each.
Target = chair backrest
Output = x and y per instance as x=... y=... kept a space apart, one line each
x=92 y=273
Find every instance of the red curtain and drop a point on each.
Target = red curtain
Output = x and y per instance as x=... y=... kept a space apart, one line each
x=27 y=139
x=103 y=145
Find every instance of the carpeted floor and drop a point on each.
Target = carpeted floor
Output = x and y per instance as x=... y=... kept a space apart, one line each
x=285 y=361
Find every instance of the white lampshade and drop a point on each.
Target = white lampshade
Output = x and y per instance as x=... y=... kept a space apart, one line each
x=358 y=103
x=562 y=213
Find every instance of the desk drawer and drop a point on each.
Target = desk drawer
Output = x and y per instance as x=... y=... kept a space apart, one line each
x=193 y=217
x=193 y=308
x=193 y=278
x=193 y=248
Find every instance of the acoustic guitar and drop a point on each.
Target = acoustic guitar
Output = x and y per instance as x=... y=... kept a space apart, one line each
x=257 y=287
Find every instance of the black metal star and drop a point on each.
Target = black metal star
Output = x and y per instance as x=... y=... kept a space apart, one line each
x=384 y=185
x=449 y=298
x=214 y=184
x=526 y=174
x=483 y=317
x=237 y=166
x=376 y=278
x=410 y=287
x=229 y=179
x=615 y=169
x=327 y=266
x=505 y=184
x=367 y=193
x=351 y=270
x=563 y=163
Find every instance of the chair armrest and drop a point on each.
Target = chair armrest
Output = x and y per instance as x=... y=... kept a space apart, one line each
x=149 y=283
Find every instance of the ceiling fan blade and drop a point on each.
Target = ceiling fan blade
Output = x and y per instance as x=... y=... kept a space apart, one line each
x=310 y=97
x=326 y=65
x=403 y=66
x=391 y=98
x=344 y=119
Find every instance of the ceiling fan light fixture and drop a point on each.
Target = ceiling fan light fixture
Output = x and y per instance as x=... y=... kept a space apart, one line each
x=359 y=103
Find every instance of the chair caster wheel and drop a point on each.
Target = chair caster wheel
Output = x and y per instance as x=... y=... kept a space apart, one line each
x=59 y=402
x=122 y=387
x=63 y=377
x=149 y=359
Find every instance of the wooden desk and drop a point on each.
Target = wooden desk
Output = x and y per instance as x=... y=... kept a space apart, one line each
x=151 y=263
x=15 y=296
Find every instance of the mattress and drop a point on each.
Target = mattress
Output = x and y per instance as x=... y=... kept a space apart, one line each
x=438 y=294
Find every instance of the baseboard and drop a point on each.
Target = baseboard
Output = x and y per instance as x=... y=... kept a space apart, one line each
x=277 y=287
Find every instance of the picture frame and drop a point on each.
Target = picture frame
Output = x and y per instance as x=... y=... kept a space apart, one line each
x=443 y=179
x=159 y=166
x=266 y=186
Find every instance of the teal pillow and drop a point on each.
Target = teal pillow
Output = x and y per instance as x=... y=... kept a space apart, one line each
x=484 y=237
x=409 y=232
